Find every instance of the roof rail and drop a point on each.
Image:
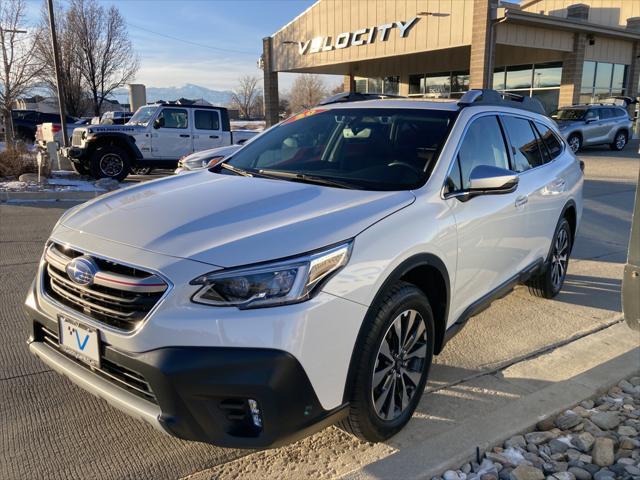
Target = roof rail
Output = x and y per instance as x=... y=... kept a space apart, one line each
x=503 y=99
x=355 y=97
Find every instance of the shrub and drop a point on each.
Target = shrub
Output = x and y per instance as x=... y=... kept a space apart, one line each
x=14 y=162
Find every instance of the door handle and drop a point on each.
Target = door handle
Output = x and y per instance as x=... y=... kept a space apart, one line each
x=184 y=135
x=559 y=183
x=521 y=200
x=214 y=136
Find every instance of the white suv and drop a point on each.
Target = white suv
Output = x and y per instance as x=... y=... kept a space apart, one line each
x=310 y=277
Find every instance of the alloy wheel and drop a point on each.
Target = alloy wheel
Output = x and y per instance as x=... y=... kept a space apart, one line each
x=621 y=141
x=111 y=165
x=399 y=365
x=574 y=144
x=560 y=259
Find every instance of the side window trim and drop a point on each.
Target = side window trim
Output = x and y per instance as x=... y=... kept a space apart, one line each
x=558 y=139
x=508 y=144
x=542 y=143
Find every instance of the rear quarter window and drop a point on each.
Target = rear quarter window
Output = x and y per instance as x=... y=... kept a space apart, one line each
x=550 y=140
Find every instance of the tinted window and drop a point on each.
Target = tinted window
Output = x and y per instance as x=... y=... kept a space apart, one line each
x=363 y=148
x=550 y=140
x=592 y=114
x=173 y=118
x=525 y=143
x=483 y=144
x=606 y=113
x=207 y=120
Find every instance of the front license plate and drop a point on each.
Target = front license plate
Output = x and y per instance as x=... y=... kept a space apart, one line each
x=80 y=341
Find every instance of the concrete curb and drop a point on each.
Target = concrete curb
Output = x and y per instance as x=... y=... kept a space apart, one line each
x=49 y=196
x=455 y=447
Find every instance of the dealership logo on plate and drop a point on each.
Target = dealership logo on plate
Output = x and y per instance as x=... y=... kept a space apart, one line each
x=82 y=270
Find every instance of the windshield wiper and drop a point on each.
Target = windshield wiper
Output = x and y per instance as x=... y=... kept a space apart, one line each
x=236 y=170
x=302 y=177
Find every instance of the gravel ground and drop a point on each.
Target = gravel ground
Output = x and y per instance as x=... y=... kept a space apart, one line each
x=597 y=439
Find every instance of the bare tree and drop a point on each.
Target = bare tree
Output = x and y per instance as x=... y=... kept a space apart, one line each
x=106 y=55
x=245 y=95
x=306 y=91
x=20 y=69
x=75 y=101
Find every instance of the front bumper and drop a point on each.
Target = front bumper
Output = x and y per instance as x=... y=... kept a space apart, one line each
x=202 y=393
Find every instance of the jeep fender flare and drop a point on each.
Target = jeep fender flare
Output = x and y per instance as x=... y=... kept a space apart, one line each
x=116 y=138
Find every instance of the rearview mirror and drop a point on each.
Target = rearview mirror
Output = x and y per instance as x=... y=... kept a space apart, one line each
x=486 y=180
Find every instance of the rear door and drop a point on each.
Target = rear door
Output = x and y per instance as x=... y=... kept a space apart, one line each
x=207 y=129
x=540 y=186
x=171 y=134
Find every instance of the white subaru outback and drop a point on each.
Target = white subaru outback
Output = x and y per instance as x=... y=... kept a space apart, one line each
x=310 y=277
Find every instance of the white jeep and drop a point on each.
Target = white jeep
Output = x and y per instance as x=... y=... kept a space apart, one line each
x=157 y=136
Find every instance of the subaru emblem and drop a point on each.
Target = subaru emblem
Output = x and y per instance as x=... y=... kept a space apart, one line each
x=82 y=270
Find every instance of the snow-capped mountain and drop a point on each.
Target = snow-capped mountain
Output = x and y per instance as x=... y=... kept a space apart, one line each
x=189 y=90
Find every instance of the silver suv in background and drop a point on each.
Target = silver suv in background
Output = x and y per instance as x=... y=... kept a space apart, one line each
x=584 y=125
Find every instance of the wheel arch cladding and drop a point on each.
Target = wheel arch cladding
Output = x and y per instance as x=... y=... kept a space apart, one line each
x=126 y=142
x=428 y=273
x=569 y=212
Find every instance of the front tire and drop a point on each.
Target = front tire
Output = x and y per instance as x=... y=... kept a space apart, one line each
x=80 y=168
x=391 y=364
x=619 y=141
x=575 y=142
x=110 y=161
x=549 y=283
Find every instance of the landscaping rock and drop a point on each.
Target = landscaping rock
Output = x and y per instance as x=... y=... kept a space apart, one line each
x=603 y=452
x=606 y=420
x=31 y=178
x=545 y=425
x=567 y=420
x=539 y=437
x=558 y=446
x=580 y=473
x=564 y=476
x=625 y=431
x=526 y=472
x=517 y=441
x=453 y=475
x=583 y=441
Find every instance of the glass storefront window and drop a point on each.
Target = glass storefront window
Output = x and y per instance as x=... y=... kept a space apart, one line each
x=619 y=77
x=545 y=76
x=361 y=85
x=498 y=78
x=375 y=85
x=519 y=77
x=603 y=76
x=416 y=84
x=437 y=86
x=391 y=85
x=588 y=76
x=459 y=82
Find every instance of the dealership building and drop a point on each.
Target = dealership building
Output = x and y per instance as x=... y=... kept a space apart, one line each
x=562 y=52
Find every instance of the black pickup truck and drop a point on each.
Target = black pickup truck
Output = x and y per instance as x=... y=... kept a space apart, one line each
x=25 y=122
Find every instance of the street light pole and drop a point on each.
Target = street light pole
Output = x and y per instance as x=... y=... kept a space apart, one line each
x=56 y=65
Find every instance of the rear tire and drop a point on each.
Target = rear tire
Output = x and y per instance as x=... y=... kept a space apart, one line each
x=575 y=142
x=619 y=141
x=391 y=364
x=110 y=161
x=549 y=282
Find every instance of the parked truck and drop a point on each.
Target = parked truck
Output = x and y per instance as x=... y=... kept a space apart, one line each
x=157 y=136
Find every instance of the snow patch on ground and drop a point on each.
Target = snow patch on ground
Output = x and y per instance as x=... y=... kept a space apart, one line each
x=62 y=183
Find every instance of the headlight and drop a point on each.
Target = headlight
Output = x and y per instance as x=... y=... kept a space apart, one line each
x=278 y=283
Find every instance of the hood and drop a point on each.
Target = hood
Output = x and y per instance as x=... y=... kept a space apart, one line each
x=226 y=220
x=563 y=124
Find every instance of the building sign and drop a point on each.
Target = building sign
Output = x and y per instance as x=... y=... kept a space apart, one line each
x=362 y=36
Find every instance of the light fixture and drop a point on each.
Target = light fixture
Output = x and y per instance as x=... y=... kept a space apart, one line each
x=433 y=14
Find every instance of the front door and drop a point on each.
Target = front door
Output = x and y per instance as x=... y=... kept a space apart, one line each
x=171 y=135
x=491 y=243
x=206 y=132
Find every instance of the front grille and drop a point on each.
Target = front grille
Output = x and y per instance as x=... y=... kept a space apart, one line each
x=115 y=373
x=76 y=138
x=119 y=296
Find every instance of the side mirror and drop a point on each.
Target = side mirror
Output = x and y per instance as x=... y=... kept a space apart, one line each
x=592 y=119
x=488 y=180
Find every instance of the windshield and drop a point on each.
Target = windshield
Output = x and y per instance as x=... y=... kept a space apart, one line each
x=571 y=114
x=369 y=149
x=142 y=116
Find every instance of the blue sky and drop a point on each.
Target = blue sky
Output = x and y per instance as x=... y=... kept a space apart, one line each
x=235 y=25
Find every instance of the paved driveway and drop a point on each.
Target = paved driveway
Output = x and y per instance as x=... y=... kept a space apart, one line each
x=51 y=429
